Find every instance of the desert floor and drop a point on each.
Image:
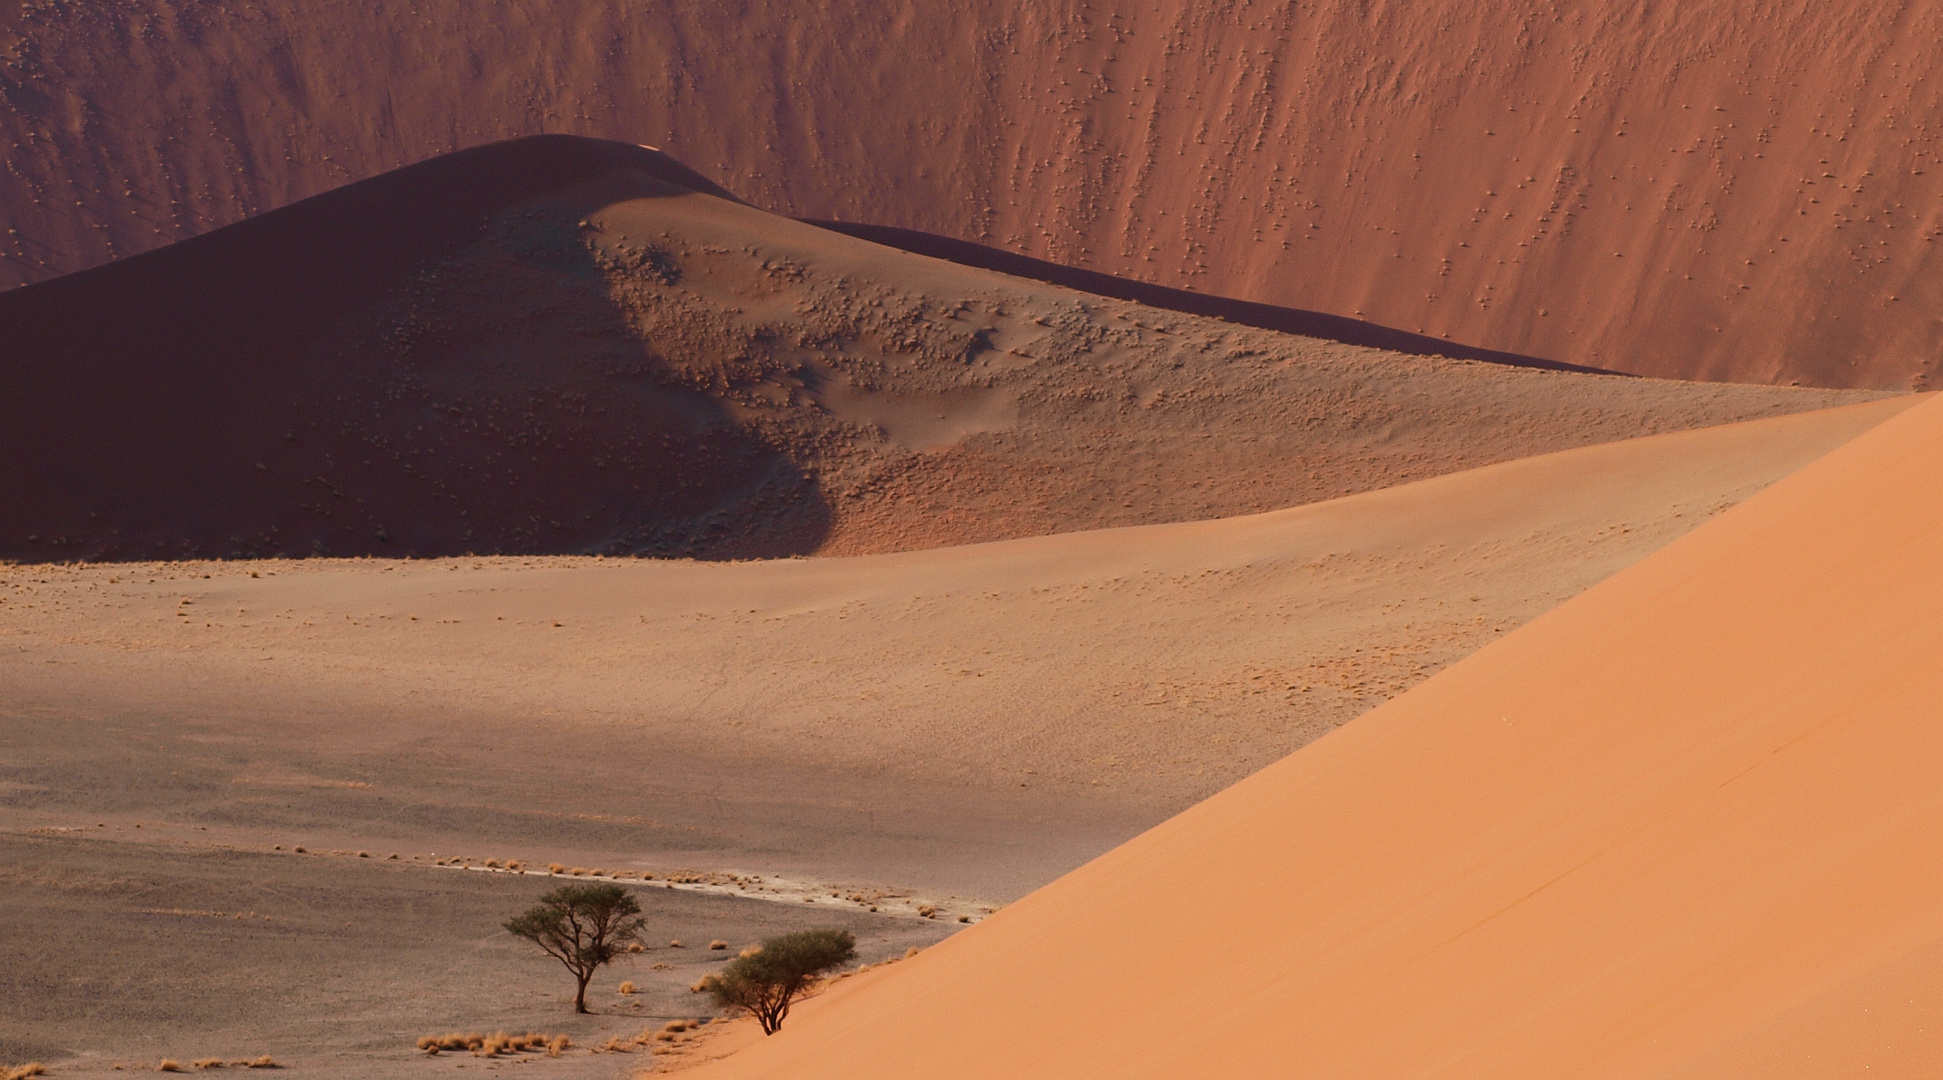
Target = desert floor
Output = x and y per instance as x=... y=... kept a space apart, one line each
x=145 y=950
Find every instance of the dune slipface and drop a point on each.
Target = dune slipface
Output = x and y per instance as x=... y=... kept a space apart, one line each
x=1678 y=190
x=1685 y=825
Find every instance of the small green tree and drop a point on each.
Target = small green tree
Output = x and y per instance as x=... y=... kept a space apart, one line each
x=766 y=981
x=583 y=927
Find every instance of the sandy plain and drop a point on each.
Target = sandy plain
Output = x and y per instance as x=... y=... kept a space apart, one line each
x=953 y=727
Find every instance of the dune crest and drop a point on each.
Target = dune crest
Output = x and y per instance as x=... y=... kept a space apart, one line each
x=1686 y=824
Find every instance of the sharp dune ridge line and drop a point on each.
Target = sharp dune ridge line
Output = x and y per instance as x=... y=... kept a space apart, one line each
x=1682 y=190
x=567 y=346
x=1683 y=825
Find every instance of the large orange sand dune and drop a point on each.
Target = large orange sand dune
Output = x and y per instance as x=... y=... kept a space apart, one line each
x=1686 y=825
x=1739 y=191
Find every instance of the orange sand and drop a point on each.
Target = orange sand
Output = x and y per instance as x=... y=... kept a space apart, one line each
x=1686 y=825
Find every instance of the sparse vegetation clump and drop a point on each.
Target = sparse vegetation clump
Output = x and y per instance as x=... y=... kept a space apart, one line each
x=494 y=1045
x=582 y=926
x=22 y=1072
x=767 y=980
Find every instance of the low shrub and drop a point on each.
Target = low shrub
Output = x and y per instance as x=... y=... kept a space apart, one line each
x=767 y=981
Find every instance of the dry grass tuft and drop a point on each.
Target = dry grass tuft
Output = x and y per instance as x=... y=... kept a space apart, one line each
x=493 y=1045
x=635 y=946
x=910 y=952
x=748 y=951
x=265 y=1062
x=168 y=1065
x=364 y=854
x=209 y=1063
x=300 y=849
x=555 y=868
x=627 y=988
x=678 y=1025
x=718 y=943
x=578 y=871
x=675 y=944
x=514 y=864
x=22 y=1072
x=701 y=986
x=492 y=864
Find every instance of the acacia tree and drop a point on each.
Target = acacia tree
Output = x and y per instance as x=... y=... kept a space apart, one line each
x=583 y=927
x=767 y=980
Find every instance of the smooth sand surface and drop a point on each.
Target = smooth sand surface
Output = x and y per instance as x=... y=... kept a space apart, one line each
x=1684 y=190
x=1685 y=825
x=568 y=346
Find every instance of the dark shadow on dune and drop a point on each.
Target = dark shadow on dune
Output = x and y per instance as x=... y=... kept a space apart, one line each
x=425 y=363
x=1313 y=324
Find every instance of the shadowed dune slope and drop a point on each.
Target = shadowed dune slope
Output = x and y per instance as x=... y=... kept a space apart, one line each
x=559 y=345
x=1684 y=825
x=1677 y=190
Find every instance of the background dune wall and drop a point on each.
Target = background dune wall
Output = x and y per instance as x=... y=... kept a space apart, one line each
x=1702 y=190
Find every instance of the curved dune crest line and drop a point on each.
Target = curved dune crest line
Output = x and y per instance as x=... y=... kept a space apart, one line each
x=1681 y=190
x=1286 y=320
x=1695 y=805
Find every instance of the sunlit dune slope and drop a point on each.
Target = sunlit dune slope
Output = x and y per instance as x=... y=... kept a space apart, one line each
x=974 y=719
x=1714 y=190
x=1686 y=825
x=560 y=345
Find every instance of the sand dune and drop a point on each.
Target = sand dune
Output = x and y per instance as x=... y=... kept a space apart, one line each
x=1679 y=191
x=561 y=345
x=1684 y=825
